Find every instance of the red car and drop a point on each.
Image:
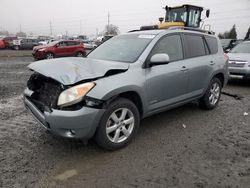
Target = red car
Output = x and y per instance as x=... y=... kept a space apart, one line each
x=2 y=45
x=8 y=41
x=59 y=49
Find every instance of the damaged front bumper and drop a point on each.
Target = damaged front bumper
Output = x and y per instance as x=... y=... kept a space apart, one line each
x=79 y=124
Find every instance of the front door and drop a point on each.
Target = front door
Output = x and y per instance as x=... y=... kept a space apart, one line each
x=61 y=49
x=167 y=84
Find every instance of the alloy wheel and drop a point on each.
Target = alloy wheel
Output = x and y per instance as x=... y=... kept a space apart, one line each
x=120 y=125
x=214 y=93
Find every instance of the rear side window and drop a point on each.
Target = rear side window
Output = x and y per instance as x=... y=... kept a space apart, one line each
x=170 y=45
x=212 y=44
x=73 y=43
x=195 y=46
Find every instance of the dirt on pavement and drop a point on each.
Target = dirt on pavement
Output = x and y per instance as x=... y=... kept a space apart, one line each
x=184 y=147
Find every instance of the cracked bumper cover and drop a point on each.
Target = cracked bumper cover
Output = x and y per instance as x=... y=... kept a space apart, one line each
x=80 y=124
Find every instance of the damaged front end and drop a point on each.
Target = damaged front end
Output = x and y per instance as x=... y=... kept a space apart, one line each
x=72 y=121
x=56 y=95
x=44 y=92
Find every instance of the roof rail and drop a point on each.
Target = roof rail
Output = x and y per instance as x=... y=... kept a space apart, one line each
x=192 y=29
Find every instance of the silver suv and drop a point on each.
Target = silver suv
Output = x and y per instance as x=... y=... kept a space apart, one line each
x=127 y=78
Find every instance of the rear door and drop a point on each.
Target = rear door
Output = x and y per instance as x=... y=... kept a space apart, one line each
x=167 y=84
x=72 y=45
x=29 y=44
x=23 y=43
x=199 y=63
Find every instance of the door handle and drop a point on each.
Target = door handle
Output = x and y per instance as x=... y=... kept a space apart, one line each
x=212 y=62
x=184 y=68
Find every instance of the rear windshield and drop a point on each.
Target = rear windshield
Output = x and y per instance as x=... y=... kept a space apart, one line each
x=124 y=48
x=241 y=48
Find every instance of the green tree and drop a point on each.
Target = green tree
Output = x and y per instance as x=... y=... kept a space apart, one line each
x=232 y=33
x=111 y=30
x=247 y=34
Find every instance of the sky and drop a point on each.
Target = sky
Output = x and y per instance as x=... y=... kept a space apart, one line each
x=90 y=17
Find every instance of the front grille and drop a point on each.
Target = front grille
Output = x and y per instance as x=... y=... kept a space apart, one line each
x=234 y=63
x=46 y=91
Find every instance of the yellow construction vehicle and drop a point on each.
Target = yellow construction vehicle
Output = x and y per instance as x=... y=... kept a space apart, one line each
x=180 y=16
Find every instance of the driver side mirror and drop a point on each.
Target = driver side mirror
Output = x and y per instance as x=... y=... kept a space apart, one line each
x=159 y=59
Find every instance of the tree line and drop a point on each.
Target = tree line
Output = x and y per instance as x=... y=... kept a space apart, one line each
x=232 y=34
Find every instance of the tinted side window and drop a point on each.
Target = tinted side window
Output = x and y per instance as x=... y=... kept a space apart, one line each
x=63 y=43
x=212 y=44
x=194 y=46
x=170 y=45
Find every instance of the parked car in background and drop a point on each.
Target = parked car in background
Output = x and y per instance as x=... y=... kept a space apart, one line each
x=2 y=44
x=89 y=45
x=61 y=48
x=239 y=61
x=8 y=41
x=25 y=44
x=45 y=42
x=124 y=80
x=228 y=44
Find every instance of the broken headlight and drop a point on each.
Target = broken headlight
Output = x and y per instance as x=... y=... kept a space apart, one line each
x=74 y=94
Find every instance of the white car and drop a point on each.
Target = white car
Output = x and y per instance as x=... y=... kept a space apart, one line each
x=89 y=45
x=45 y=42
x=239 y=61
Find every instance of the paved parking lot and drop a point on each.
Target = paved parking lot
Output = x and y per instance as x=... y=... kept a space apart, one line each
x=184 y=147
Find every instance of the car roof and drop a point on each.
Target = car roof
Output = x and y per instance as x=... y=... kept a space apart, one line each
x=166 y=31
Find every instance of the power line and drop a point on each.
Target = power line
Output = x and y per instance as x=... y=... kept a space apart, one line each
x=50 y=25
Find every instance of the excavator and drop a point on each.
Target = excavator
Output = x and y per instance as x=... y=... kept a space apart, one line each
x=186 y=16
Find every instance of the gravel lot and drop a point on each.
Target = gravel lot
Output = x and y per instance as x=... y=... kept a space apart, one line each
x=212 y=151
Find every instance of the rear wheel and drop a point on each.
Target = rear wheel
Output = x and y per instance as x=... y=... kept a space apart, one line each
x=79 y=54
x=212 y=96
x=49 y=56
x=118 y=125
x=16 y=47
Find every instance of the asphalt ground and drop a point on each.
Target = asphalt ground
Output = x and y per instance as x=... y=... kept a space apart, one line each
x=183 y=147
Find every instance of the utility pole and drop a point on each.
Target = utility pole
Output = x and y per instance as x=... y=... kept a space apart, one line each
x=80 y=27
x=50 y=26
x=108 y=23
x=97 y=32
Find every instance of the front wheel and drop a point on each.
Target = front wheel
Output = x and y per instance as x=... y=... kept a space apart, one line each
x=212 y=96
x=79 y=54
x=16 y=47
x=49 y=56
x=118 y=125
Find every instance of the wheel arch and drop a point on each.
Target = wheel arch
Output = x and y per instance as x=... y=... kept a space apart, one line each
x=131 y=95
x=221 y=77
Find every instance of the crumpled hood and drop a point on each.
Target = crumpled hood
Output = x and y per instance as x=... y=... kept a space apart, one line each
x=239 y=56
x=69 y=71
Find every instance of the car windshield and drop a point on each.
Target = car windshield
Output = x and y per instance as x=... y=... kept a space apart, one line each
x=52 y=43
x=241 y=48
x=124 y=48
x=225 y=42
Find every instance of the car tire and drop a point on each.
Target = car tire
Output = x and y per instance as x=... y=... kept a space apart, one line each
x=212 y=95
x=118 y=125
x=16 y=47
x=49 y=56
x=80 y=54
